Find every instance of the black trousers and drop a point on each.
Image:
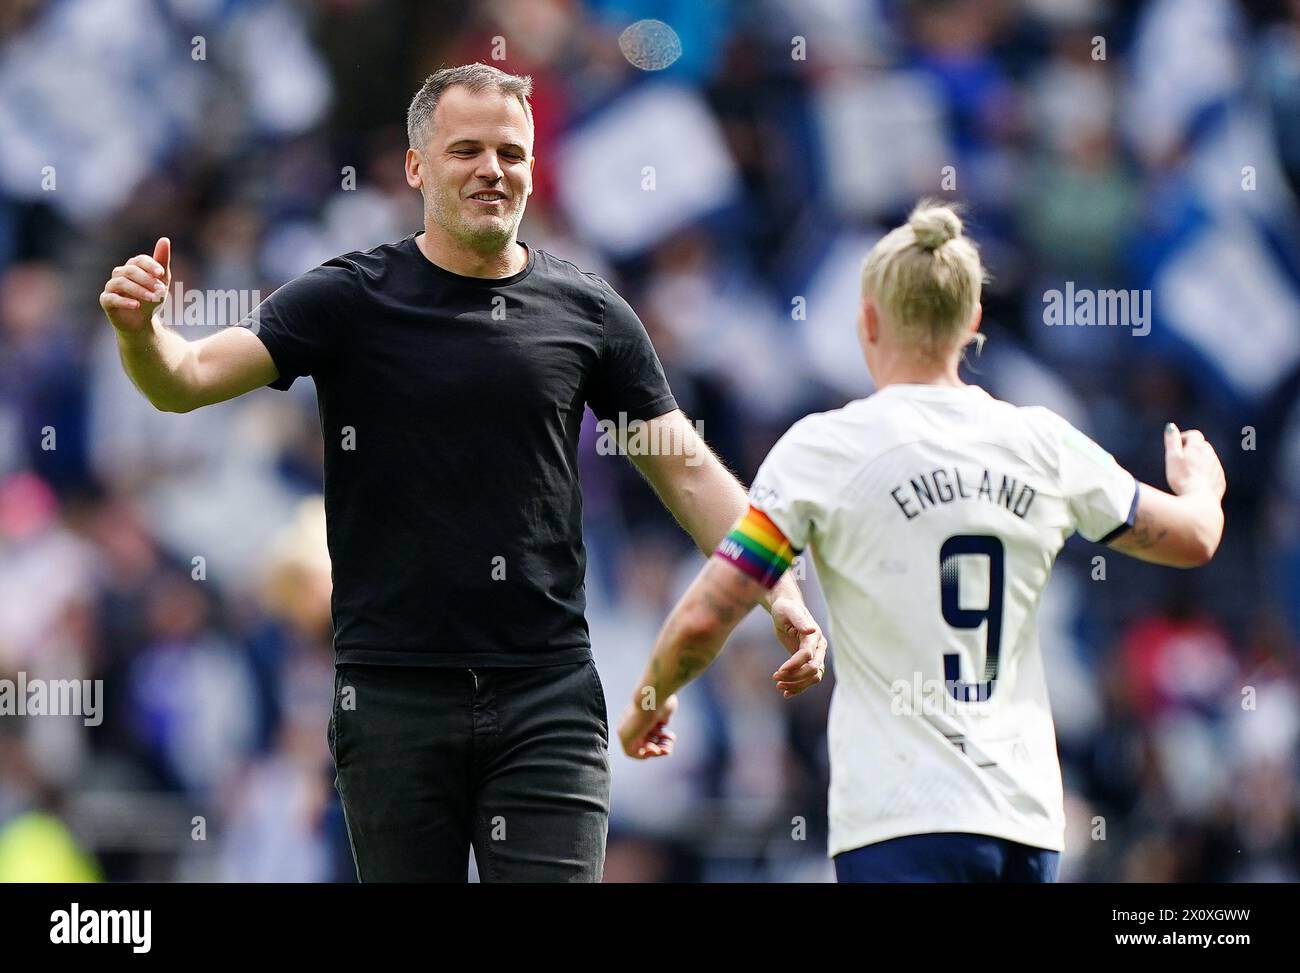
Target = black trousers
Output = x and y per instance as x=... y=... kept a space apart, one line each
x=514 y=762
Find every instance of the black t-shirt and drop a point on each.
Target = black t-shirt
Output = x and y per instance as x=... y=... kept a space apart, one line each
x=450 y=408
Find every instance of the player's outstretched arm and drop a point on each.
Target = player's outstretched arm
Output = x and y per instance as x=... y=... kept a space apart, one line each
x=707 y=500
x=176 y=375
x=689 y=641
x=1180 y=529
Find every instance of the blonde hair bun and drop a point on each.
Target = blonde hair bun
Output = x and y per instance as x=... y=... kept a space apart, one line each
x=934 y=226
x=925 y=278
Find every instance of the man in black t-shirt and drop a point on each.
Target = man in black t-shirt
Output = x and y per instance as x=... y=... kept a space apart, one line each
x=452 y=369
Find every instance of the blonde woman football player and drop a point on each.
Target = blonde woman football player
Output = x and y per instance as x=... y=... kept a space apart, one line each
x=933 y=512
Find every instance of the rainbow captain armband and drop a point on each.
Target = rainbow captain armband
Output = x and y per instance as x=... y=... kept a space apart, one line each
x=757 y=547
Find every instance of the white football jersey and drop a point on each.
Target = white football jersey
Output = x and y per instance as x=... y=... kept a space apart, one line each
x=934 y=514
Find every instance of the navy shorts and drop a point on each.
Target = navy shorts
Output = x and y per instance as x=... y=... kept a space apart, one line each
x=947 y=858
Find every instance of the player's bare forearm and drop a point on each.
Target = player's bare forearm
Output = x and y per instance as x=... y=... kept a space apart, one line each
x=691 y=481
x=154 y=359
x=700 y=492
x=1180 y=529
x=178 y=375
x=1175 y=531
x=698 y=628
x=785 y=587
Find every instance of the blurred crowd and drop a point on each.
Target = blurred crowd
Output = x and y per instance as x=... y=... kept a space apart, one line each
x=728 y=177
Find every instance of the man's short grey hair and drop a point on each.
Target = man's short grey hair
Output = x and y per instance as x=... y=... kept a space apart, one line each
x=476 y=77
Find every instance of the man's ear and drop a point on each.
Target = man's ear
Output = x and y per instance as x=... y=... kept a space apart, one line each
x=975 y=320
x=414 y=169
x=532 y=163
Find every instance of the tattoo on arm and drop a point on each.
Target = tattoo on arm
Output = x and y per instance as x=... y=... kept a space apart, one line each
x=692 y=662
x=723 y=609
x=1143 y=535
x=729 y=596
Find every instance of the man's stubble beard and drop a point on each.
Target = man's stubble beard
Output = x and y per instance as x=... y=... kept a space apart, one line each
x=492 y=237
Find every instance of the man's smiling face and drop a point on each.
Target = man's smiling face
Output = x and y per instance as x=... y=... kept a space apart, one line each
x=476 y=169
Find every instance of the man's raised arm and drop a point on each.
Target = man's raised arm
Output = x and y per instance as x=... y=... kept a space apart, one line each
x=176 y=375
